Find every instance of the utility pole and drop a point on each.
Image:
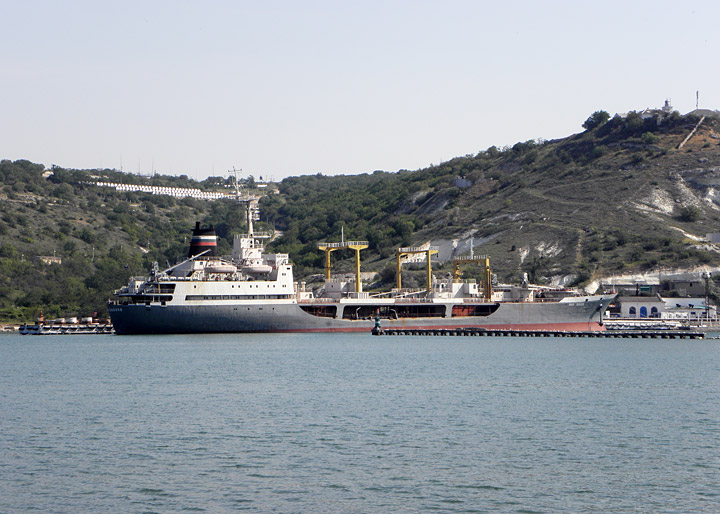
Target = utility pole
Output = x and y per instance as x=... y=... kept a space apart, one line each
x=706 y=276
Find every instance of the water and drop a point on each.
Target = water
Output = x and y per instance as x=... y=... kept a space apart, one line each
x=355 y=423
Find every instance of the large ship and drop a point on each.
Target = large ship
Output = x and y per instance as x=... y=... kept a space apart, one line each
x=252 y=291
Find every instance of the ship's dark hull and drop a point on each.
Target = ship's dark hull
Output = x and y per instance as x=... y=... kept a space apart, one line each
x=289 y=317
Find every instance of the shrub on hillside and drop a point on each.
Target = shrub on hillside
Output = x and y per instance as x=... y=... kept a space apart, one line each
x=649 y=138
x=689 y=213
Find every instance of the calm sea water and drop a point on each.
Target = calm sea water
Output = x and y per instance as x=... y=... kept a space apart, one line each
x=355 y=423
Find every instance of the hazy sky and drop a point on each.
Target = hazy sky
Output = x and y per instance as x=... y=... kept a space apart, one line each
x=282 y=88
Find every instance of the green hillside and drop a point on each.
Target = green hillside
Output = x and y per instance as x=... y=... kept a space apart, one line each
x=102 y=236
x=616 y=198
x=619 y=197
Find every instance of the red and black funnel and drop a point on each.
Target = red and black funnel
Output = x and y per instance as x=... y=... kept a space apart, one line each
x=203 y=239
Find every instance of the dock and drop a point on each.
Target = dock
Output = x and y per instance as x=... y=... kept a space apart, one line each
x=484 y=332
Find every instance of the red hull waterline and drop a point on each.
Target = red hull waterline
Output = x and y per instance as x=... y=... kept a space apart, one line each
x=592 y=326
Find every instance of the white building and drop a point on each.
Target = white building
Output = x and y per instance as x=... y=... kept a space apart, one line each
x=177 y=192
x=688 y=308
x=641 y=306
x=666 y=308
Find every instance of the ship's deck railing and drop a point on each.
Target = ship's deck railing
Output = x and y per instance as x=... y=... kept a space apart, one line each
x=344 y=244
x=418 y=249
x=400 y=293
x=254 y=234
x=368 y=300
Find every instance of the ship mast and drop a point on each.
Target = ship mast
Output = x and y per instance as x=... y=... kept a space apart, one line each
x=248 y=201
x=249 y=214
x=237 y=187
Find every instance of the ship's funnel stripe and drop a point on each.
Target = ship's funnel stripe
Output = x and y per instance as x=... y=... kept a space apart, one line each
x=203 y=240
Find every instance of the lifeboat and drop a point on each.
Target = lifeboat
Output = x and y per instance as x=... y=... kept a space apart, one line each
x=257 y=268
x=220 y=267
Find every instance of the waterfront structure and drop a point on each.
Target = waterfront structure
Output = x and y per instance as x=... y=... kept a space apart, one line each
x=671 y=308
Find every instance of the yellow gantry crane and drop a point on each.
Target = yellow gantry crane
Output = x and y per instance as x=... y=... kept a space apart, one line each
x=487 y=274
x=402 y=252
x=328 y=248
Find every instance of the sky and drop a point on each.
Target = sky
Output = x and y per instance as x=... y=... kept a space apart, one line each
x=286 y=88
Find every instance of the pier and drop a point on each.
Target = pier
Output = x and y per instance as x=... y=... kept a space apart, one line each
x=484 y=332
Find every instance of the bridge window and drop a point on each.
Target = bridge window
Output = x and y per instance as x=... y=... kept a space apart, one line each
x=632 y=311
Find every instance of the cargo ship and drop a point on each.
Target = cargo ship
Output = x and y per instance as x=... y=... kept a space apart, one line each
x=252 y=291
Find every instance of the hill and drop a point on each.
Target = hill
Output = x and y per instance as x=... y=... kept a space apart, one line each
x=100 y=235
x=619 y=197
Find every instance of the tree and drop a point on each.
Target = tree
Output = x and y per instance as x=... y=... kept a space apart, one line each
x=70 y=247
x=8 y=250
x=596 y=119
x=690 y=213
x=633 y=121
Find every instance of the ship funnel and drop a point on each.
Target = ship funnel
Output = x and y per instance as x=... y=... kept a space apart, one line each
x=203 y=239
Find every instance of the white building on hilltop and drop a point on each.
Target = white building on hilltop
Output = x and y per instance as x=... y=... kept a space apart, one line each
x=177 y=192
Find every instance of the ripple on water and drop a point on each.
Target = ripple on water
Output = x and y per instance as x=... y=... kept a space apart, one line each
x=296 y=423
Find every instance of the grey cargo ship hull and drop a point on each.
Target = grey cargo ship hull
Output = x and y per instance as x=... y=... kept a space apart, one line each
x=580 y=314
